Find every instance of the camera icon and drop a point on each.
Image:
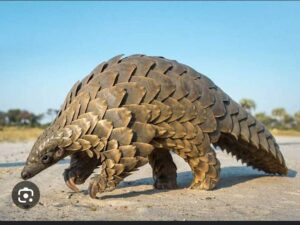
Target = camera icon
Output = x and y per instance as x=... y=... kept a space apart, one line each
x=25 y=195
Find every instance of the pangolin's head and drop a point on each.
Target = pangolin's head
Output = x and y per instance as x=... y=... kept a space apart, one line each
x=45 y=152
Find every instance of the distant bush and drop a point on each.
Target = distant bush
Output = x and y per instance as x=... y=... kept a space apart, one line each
x=19 y=117
x=279 y=119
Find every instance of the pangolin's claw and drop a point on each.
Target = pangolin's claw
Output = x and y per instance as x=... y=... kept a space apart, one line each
x=70 y=183
x=93 y=189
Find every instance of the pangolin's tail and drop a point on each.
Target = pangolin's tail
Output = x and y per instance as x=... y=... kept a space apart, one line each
x=249 y=140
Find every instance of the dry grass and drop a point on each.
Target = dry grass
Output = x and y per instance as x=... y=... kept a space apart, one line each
x=290 y=133
x=15 y=134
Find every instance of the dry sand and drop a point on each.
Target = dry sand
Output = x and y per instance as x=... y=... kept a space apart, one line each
x=242 y=194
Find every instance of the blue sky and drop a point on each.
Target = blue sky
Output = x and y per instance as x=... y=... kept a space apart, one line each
x=249 y=49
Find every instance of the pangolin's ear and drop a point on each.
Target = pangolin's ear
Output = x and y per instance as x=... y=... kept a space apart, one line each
x=60 y=152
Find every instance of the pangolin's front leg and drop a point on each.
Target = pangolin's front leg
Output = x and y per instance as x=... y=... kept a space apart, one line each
x=107 y=180
x=81 y=167
x=163 y=169
x=118 y=164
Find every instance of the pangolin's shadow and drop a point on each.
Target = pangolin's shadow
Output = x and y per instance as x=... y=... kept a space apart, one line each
x=230 y=176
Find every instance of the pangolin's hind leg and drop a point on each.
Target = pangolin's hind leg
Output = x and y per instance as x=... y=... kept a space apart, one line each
x=163 y=169
x=206 y=170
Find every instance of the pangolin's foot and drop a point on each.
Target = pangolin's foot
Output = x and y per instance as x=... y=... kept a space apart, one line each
x=206 y=184
x=163 y=169
x=81 y=167
x=165 y=183
x=100 y=184
x=206 y=170
x=71 y=179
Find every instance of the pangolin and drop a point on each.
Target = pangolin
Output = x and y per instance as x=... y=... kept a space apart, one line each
x=134 y=110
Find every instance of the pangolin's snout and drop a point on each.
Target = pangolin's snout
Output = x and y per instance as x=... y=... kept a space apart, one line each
x=25 y=175
x=29 y=172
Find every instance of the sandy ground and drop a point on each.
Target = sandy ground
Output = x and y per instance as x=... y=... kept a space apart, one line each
x=242 y=194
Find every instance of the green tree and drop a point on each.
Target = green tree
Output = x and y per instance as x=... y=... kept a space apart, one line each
x=23 y=117
x=35 y=120
x=2 y=118
x=268 y=121
x=248 y=104
x=13 y=116
x=289 y=122
x=279 y=113
x=283 y=119
x=297 y=120
x=51 y=113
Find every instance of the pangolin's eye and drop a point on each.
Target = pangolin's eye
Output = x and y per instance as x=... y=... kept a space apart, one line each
x=46 y=159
